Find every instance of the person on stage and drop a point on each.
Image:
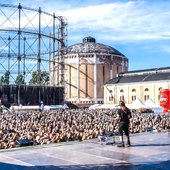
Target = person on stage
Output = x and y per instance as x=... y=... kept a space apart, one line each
x=124 y=115
x=41 y=106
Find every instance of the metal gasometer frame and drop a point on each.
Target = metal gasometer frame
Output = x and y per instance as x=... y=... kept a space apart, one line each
x=30 y=39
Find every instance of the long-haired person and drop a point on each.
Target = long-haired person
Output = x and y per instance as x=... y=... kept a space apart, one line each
x=124 y=115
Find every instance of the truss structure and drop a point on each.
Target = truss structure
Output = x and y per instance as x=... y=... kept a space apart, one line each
x=29 y=40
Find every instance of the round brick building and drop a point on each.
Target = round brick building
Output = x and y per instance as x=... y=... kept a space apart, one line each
x=88 y=66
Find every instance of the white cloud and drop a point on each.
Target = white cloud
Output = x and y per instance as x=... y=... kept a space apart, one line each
x=119 y=21
x=165 y=48
x=4 y=48
x=124 y=21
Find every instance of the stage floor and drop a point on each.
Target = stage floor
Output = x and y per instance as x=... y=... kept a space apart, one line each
x=149 y=151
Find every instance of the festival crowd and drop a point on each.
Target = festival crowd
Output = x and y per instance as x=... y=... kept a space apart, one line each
x=57 y=126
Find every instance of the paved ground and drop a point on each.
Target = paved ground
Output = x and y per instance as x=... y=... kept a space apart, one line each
x=149 y=151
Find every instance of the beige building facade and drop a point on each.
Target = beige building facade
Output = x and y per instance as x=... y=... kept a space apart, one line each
x=142 y=84
x=88 y=66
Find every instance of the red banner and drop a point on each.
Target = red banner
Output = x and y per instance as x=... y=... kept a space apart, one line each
x=165 y=99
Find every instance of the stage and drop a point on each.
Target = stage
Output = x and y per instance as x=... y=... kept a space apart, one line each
x=149 y=151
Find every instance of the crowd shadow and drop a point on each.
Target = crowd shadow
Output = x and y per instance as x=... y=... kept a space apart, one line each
x=164 y=165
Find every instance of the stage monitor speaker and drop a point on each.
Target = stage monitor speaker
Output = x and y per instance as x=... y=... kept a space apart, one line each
x=24 y=142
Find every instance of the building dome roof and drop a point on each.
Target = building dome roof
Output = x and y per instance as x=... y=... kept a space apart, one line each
x=89 y=45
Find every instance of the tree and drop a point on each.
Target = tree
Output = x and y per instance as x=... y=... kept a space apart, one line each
x=45 y=77
x=41 y=77
x=5 y=78
x=20 y=79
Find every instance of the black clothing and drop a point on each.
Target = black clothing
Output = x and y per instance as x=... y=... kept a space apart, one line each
x=124 y=116
x=123 y=127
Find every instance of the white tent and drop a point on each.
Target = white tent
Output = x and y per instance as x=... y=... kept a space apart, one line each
x=149 y=104
x=36 y=107
x=137 y=104
x=93 y=107
x=103 y=106
x=107 y=106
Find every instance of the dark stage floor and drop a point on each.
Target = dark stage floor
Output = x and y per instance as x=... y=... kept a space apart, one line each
x=149 y=151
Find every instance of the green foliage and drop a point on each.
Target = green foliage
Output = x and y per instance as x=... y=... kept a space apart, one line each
x=41 y=77
x=19 y=79
x=5 y=78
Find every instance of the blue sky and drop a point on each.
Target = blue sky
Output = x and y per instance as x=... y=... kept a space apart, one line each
x=138 y=29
